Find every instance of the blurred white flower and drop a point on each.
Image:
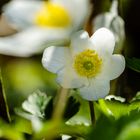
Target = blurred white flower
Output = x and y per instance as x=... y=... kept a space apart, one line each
x=113 y=22
x=88 y=63
x=40 y=23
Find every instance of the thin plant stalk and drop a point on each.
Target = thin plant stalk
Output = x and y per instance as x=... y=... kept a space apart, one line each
x=59 y=107
x=4 y=110
x=92 y=112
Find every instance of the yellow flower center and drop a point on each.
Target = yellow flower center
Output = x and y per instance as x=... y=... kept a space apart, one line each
x=52 y=15
x=87 y=63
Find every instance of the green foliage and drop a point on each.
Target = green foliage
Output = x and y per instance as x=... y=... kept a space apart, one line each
x=9 y=132
x=125 y=128
x=104 y=129
x=23 y=76
x=115 y=108
x=133 y=63
x=54 y=129
x=40 y=105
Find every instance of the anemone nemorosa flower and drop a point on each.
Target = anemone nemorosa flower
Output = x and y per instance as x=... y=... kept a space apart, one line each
x=87 y=64
x=40 y=23
x=113 y=22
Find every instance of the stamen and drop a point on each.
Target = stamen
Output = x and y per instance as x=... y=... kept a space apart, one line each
x=53 y=15
x=87 y=63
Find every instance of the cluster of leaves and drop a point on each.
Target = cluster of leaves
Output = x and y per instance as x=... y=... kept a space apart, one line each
x=115 y=120
x=118 y=120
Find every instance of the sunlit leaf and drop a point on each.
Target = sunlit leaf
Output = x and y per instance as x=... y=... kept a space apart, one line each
x=115 y=108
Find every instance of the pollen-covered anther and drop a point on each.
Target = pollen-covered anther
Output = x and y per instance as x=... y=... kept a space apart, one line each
x=87 y=63
x=52 y=15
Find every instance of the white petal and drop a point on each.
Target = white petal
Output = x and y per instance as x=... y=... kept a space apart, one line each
x=112 y=67
x=79 y=10
x=20 y=13
x=116 y=66
x=31 y=41
x=55 y=58
x=97 y=89
x=103 y=41
x=80 y=41
x=67 y=78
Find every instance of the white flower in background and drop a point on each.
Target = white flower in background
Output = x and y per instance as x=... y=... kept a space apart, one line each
x=88 y=63
x=113 y=22
x=40 y=23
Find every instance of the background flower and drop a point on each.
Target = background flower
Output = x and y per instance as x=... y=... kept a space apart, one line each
x=113 y=22
x=88 y=64
x=26 y=16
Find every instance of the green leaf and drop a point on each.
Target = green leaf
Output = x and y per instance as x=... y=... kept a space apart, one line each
x=131 y=131
x=129 y=126
x=36 y=104
x=133 y=63
x=115 y=108
x=104 y=130
x=125 y=128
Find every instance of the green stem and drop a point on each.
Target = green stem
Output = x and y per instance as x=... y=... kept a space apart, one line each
x=4 y=111
x=92 y=112
x=59 y=107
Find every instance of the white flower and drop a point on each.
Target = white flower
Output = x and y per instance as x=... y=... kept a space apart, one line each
x=113 y=22
x=88 y=63
x=40 y=23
